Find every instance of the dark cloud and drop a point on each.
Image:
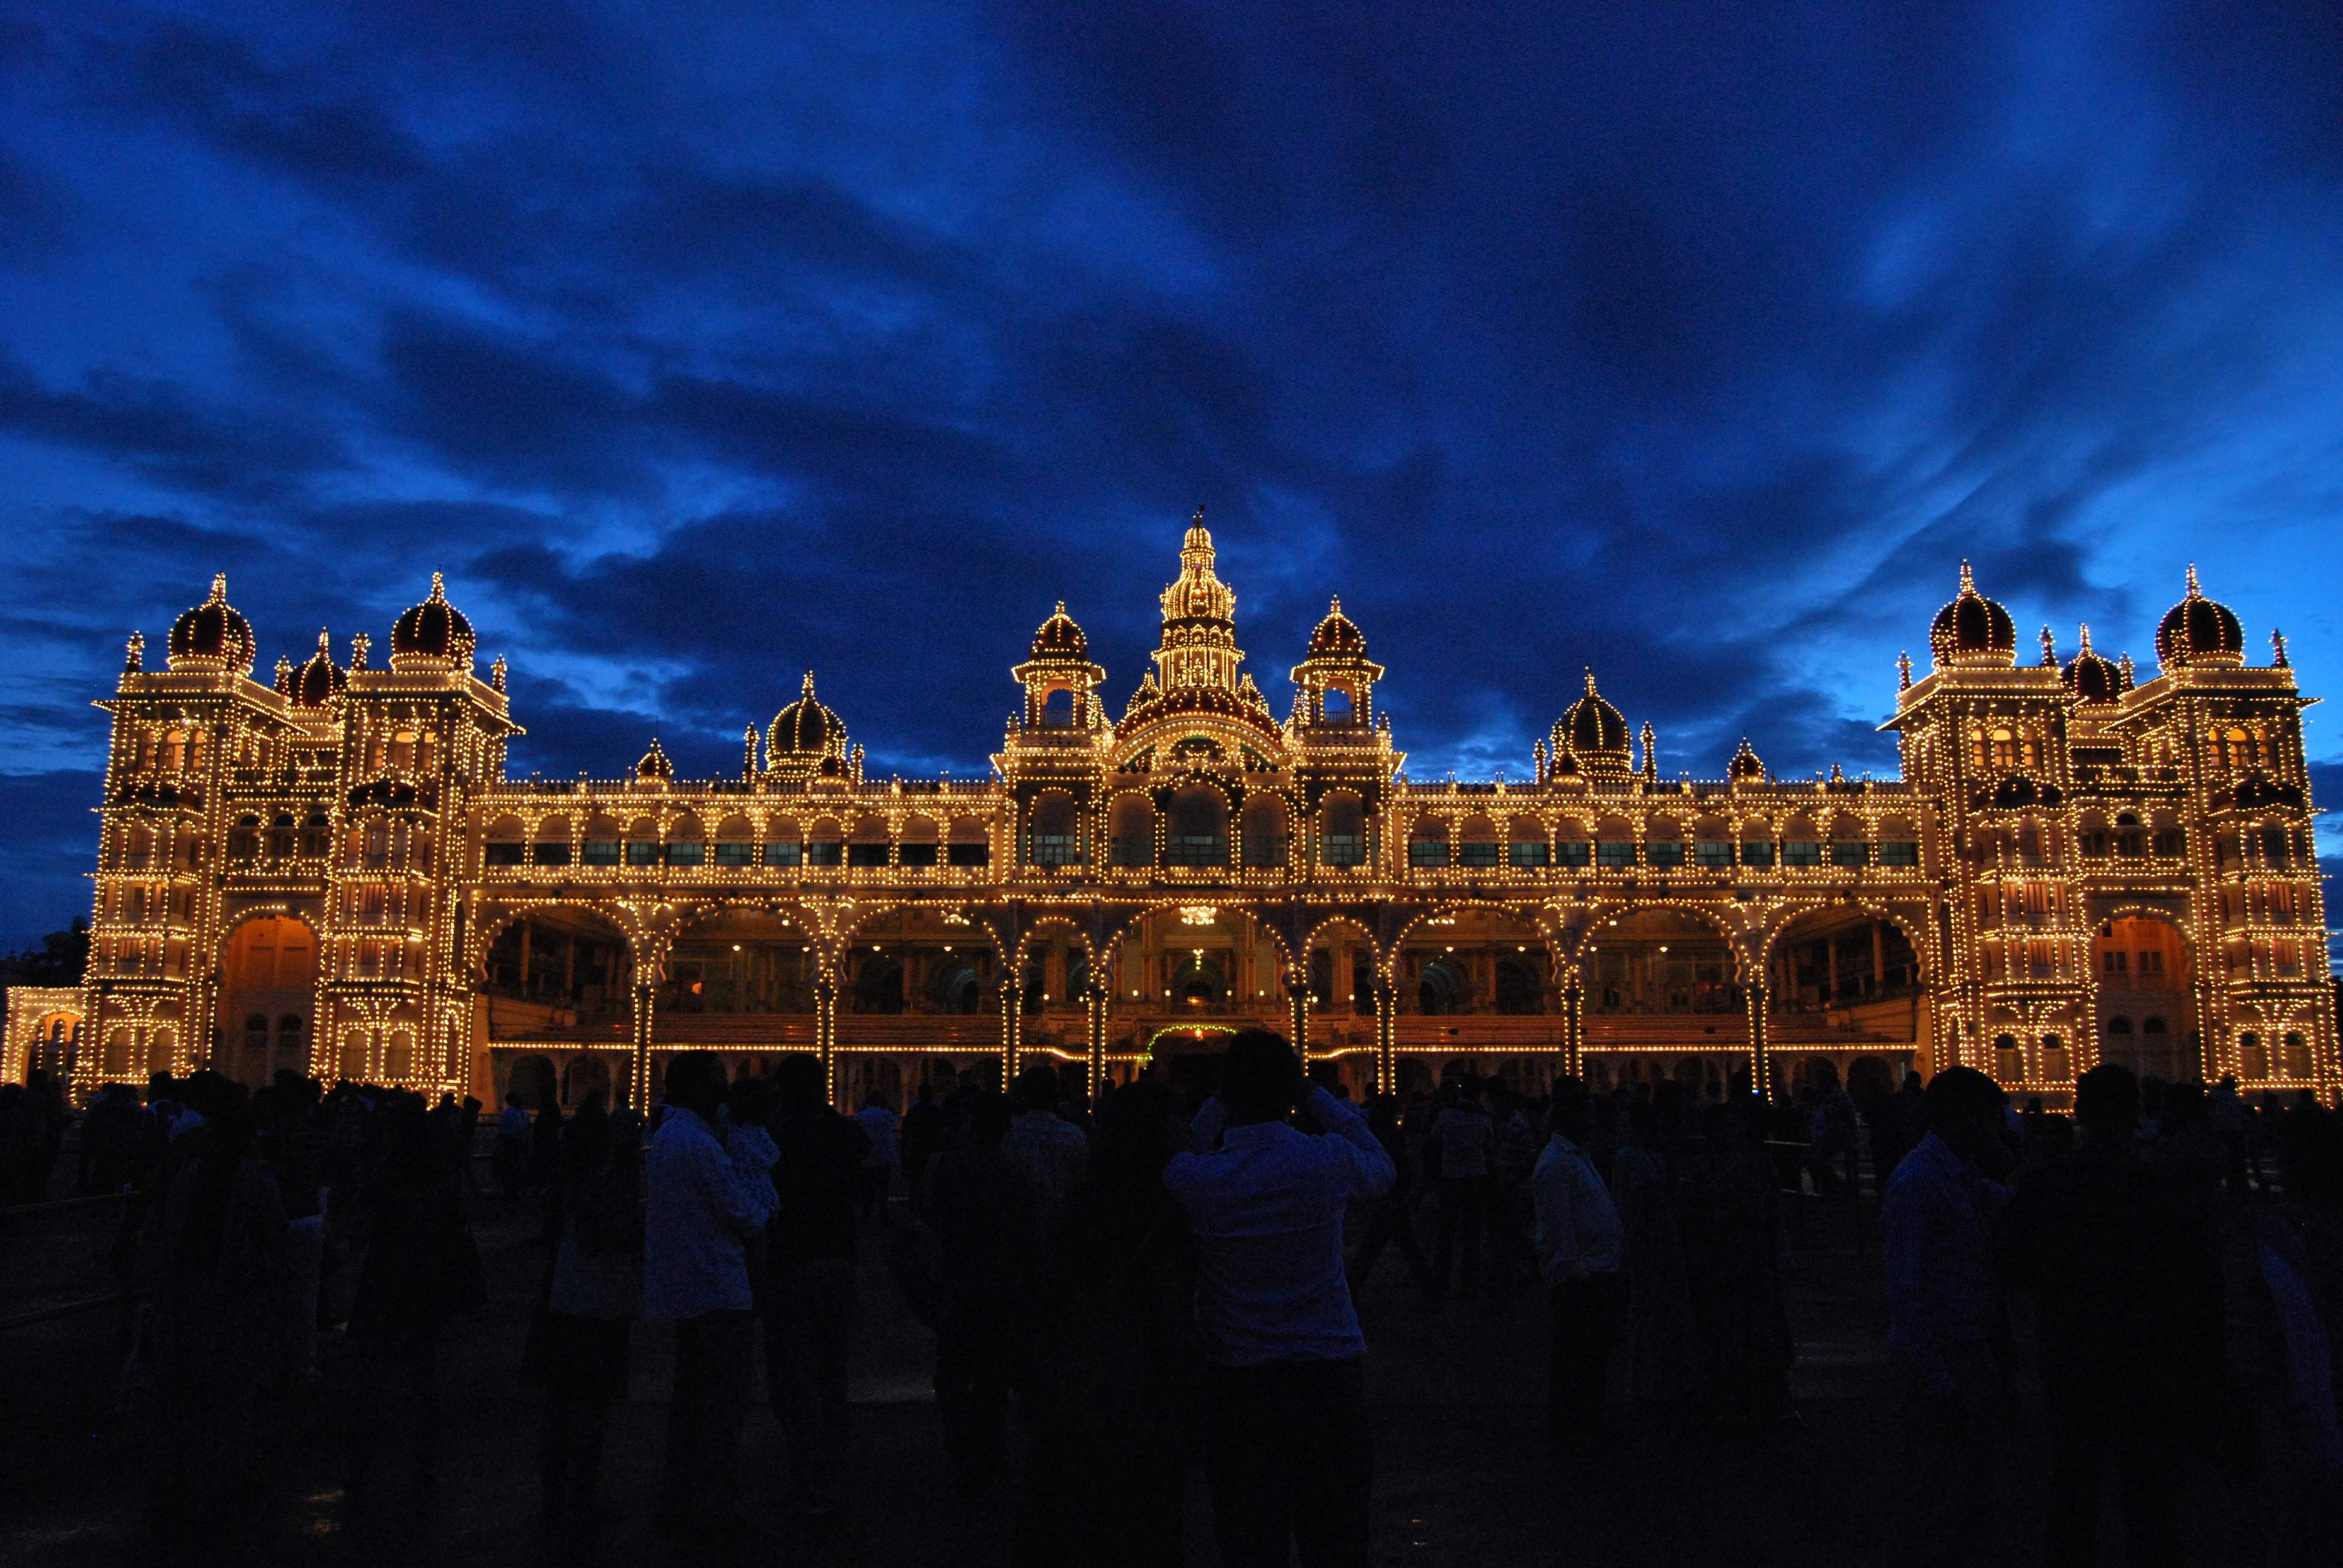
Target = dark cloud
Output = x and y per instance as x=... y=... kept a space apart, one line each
x=1698 y=344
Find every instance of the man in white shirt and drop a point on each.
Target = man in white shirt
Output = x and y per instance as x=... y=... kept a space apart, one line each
x=696 y=1272
x=1049 y=1150
x=1579 y=1239
x=1286 y=1448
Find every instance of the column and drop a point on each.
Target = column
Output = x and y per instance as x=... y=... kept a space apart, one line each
x=1879 y=956
x=645 y=999
x=825 y=1033
x=1297 y=987
x=1094 y=998
x=1574 y=1027
x=1760 y=1068
x=1012 y=1029
x=1830 y=968
x=1386 y=1005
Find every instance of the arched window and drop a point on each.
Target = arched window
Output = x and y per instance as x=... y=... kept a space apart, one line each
x=2005 y=748
x=2009 y=1062
x=2251 y=1057
x=920 y=844
x=643 y=842
x=735 y=841
x=1343 y=831
x=1526 y=847
x=784 y=842
x=1264 y=831
x=549 y=843
x=505 y=844
x=826 y=844
x=970 y=844
x=1198 y=831
x=2294 y=1055
x=1665 y=846
x=1477 y=844
x=1054 y=836
x=1757 y=843
x=1712 y=844
x=1133 y=827
x=687 y=841
x=602 y=844
x=244 y=838
x=1427 y=842
x=1615 y=844
x=1573 y=846
x=869 y=845
x=1848 y=847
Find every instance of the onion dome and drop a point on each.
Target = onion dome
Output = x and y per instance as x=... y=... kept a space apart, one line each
x=213 y=636
x=1060 y=638
x=654 y=768
x=319 y=681
x=1972 y=630
x=2091 y=678
x=1338 y=636
x=432 y=632
x=2200 y=630
x=1591 y=727
x=1745 y=768
x=805 y=732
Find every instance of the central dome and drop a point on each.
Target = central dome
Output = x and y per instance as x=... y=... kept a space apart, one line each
x=1972 y=630
x=213 y=636
x=432 y=632
x=1590 y=727
x=2200 y=630
x=806 y=728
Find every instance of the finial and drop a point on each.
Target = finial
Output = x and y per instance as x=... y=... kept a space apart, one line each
x=358 y=647
x=1969 y=581
x=1904 y=670
x=2125 y=666
x=1590 y=680
x=1061 y=607
x=1838 y=775
x=807 y=690
x=497 y=674
x=2087 y=637
x=219 y=588
x=283 y=672
x=2278 y=642
x=439 y=589
x=1198 y=521
x=325 y=643
x=134 y=656
x=2194 y=591
x=2049 y=651
x=1334 y=605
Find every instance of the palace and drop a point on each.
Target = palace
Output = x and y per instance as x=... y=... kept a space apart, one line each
x=333 y=872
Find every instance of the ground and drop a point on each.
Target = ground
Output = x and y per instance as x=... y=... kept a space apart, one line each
x=1464 y=1472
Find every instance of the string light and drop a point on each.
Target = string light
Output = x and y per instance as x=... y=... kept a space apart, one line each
x=207 y=761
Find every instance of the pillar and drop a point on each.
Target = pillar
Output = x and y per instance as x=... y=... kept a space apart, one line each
x=1386 y=1004
x=1574 y=1027
x=1012 y=1029
x=825 y=1033
x=1094 y=999
x=1879 y=956
x=646 y=998
x=1297 y=1002
x=1760 y=1067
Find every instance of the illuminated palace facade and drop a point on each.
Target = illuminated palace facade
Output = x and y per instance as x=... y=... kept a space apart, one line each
x=333 y=872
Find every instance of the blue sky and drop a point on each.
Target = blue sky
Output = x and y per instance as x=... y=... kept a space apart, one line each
x=702 y=345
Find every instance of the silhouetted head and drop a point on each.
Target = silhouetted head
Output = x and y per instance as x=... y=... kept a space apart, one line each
x=1964 y=1109
x=800 y=1084
x=1571 y=1114
x=1037 y=1088
x=696 y=1082
x=1260 y=1078
x=2107 y=1101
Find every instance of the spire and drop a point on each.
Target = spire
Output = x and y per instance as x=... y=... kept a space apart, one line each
x=2194 y=591
x=2087 y=637
x=219 y=588
x=439 y=589
x=2049 y=651
x=283 y=673
x=2277 y=643
x=498 y=674
x=1335 y=605
x=1969 y=579
x=749 y=762
x=2125 y=665
x=1590 y=680
x=1651 y=760
x=134 y=656
x=360 y=645
x=1904 y=670
x=807 y=690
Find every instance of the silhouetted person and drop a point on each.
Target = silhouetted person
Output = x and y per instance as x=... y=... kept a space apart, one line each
x=987 y=1220
x=1732 y=1229
x=2128 y=1291
x=809 y=1280
x=217 y=1318
x=1467 y=1139
x=1049 y=1150
x=1663 y=1346
x=1579 y=1244
x=593 y=1294
x=699 y=1217
x=415 y=1277
x=1113 y=1399
x=922 y=1134
x=1287 y=1449
x=882 y=1126
x=1948 y=1332
x=1390 y=1219
x=2299 y=1244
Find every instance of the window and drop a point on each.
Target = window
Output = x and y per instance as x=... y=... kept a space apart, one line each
x=549 y=852
x=687 y=852
x=783 y=852
x=1666 y=853
x=1849 y=852
x=2151 y=963
x=1478 y=852
x=735 y=853
x=1427 y=851
x=1571 y=852
x=1528 y=856
x=967 y=854
x=1713 y=854
x=2115 y=965
x=1802 y=852
x=2276 y=849
x=825 y=852
x=244 y=838
x=2171 y=842
x=2093 y=842
x=1615 y=853
x=1899 y=852
x=1344 y=848
x=1758 y=852
x=1066 y=849
x=642 y=853
x=601 y=852
x=916 y=854
x=502 y=852
x=2294 y=1056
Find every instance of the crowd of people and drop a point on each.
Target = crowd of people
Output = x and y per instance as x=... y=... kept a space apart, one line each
x=1150 y=1288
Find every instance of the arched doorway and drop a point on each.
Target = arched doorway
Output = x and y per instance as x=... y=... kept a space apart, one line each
x=2141 y=965
x=268 y=979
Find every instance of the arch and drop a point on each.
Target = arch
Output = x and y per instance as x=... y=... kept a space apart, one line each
x=785 y=842
x=1660 y=957
x=1615 y=844
x=735 y=956
x=1876 y=952
x=554 y=966
x=1711 y=843
x=1528 y=845
x=1663 y=843
x=1343 y=965
x=1760 y=846
x=825 y=843
x=1479 y=845
x=735 y=844
x=269 y=968
x=1574 y=844
x=1427 y=840
x=921 y=842
x=969 y=843
x=1442 y=989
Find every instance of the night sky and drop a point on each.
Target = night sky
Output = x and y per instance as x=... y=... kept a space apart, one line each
x=1698 y=342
